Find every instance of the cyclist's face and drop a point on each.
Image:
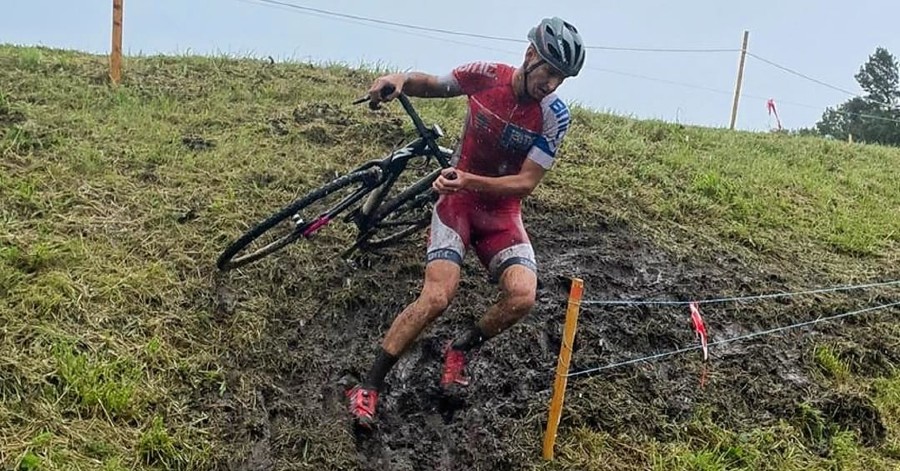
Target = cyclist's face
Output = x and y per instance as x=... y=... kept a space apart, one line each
x=544 y=79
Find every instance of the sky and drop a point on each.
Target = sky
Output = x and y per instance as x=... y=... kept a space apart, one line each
x=825 y=40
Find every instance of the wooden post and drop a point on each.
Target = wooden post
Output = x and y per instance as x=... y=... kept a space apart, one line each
x=562 y=367
x=115 y=57
x=740 y=78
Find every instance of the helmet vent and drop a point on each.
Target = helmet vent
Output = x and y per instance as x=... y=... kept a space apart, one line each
x=555 y=52
x=567 y=53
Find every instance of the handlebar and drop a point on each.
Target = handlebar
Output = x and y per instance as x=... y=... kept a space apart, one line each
x=423 y=131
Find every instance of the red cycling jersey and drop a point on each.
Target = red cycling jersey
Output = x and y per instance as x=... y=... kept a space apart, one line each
x=499 y=134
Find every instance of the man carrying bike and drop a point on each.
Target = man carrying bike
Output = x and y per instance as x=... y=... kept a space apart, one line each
x=514 y=126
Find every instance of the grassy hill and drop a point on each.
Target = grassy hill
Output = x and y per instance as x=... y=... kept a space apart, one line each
x=121 y=346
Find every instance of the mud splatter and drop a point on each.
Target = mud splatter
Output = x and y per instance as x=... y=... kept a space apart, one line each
x=498 y=421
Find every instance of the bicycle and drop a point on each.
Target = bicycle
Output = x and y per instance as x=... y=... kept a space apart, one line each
x=364 y=191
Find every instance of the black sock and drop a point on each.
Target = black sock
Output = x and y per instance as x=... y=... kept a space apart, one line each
x=472 y=339
x=383 y=363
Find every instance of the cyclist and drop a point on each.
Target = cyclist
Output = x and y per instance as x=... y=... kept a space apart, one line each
x=515 y=124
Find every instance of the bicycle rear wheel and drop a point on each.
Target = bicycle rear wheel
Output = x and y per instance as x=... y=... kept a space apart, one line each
x=302 y=218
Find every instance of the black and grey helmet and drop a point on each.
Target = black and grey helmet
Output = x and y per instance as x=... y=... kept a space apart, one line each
x=559 y=44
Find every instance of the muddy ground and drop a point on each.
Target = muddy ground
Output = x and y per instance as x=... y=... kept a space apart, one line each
x=286 y=409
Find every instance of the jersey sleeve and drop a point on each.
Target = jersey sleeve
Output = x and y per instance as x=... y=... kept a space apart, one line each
x=556 y=123
x=471 y=78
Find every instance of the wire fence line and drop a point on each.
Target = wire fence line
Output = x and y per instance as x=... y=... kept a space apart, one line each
x=418 y=30
x=623 y=302
x=452 y=32
x=733 y=339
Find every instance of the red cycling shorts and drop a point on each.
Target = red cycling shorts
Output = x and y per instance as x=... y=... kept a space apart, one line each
x=495 y=231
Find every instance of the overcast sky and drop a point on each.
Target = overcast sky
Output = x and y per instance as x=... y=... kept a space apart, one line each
x=825 y=40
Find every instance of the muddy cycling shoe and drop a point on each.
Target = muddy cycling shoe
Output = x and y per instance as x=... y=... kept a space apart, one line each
x=454 y=368
x=362 y=405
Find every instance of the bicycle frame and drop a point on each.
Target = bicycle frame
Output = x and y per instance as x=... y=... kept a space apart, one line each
x=373 y=181
x=394 y=165
x=386 y=172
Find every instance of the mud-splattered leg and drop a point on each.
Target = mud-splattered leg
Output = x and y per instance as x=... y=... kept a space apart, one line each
x=518 y=285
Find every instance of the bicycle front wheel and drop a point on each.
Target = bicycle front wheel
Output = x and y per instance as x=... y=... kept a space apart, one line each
x=301 y=219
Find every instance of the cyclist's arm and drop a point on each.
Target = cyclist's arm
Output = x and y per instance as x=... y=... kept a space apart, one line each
x=466 y=79
x=541 y=157
x=430 y=86
x=518 y=185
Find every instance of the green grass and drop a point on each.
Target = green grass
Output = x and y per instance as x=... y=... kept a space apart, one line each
x=808 y=443
x=769 y=192
x=830 y=364
x=110 y=225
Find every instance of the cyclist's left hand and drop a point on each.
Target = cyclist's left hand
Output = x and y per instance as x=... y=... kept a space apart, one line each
x=446 y=185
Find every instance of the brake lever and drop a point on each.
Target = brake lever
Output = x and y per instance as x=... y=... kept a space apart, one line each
x=387 y=90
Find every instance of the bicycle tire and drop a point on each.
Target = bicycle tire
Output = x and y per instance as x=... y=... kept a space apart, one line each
x=419 y=195
x=228 y=261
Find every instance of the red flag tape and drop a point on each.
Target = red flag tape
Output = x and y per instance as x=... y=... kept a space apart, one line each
x=699 y=328
x=770 y=105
